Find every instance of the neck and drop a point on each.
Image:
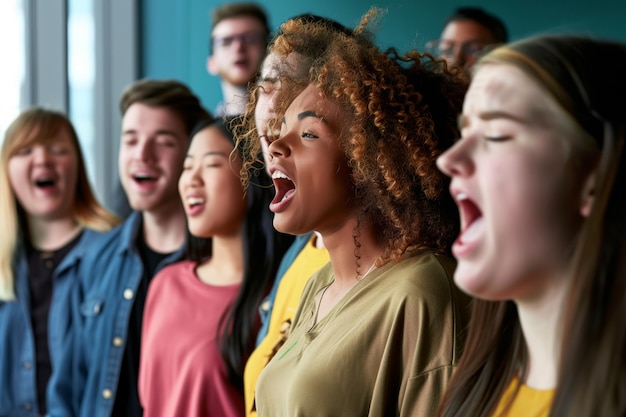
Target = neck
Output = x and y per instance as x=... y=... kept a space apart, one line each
x=541 y=322
x=341 y=249
x=235 y=99
x=164 y=232
x=50 y=235
x=226 y=265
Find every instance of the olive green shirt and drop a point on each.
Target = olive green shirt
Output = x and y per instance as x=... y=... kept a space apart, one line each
x=387 y=348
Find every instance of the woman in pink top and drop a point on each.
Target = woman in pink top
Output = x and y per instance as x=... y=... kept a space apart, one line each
x=200 y=318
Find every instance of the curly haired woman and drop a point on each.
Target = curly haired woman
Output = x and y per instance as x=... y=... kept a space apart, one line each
x=380 y=328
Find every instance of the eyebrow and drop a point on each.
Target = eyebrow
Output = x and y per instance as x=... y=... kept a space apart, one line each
x=157 y=133
x=310 y=113
x=209 y=153
x=491 y=115
x=304 y=115
x=268 y=79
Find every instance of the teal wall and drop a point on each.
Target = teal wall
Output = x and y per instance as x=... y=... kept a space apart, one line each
x=175 y=33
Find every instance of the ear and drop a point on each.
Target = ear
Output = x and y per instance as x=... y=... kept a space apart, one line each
x=588 y=194
x=211 y=66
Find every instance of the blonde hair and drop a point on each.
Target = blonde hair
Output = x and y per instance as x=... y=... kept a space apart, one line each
x=32 y=126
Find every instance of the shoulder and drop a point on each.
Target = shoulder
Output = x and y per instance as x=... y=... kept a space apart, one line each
x=174 y=279
x=319 y=280
x=421 y=269
x=174 y=272
x=419 y=278
x=105 y=244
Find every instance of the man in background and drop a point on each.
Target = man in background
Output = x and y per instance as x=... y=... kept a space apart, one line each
x=237 y=46
x=466 y=34
x=97 y=376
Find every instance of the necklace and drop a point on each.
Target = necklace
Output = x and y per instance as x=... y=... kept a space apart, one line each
x=366 y=272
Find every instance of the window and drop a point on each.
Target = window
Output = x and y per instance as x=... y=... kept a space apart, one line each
x=12 y=76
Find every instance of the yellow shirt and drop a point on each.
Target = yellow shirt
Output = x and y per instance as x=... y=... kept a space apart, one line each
x=308 y=261
x=528 y=402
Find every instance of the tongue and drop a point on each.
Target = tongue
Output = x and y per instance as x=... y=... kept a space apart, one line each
x=288 y=194
x=474 y=230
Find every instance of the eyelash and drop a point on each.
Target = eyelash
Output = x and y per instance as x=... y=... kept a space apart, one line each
x=308 y=135
x=497 y=138
x=214 y=165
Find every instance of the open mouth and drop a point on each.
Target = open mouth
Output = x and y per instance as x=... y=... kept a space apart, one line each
x=144 y=178
x=44 y=183
x=471 y=216
x=241 y=63
x=284 y=186
x=195 y=202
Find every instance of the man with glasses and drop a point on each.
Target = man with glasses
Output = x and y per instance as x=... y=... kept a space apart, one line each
x=466 y=34
x=237 y=46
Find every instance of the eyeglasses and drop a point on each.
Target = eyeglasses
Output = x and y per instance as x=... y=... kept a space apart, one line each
x=447 y=49
x=248 y=38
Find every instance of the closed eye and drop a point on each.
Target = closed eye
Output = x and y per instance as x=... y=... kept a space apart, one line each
x=497 y=138
x=59 y=150
x=23 y=151
x=309 y=135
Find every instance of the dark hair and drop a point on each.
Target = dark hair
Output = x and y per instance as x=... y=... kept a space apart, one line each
x=478 y=15
x=171 y=94
x=592 y=368
x=232 y=10
x=263 y=250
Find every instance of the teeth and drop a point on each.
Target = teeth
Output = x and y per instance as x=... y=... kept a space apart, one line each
x=461 y=196
x=142 y=176
x=279 y=174
x=193 y=201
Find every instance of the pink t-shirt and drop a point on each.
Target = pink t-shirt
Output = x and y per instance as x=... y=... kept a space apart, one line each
x=182 y=373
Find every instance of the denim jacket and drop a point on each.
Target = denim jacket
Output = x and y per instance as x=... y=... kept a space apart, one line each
x=18 y=391
x=85 y=382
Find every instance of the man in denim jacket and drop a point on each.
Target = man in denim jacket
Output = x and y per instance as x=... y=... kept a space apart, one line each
x=98 y=378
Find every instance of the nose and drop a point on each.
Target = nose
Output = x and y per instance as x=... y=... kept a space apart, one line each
x=455 y=162
x=278 y=147
x=240 y=43
x=41 y=155
x=145 y=151
x=194 y=175
x=459 y=56
x=189 y=178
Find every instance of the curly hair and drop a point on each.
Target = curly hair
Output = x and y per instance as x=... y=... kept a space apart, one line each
x=400 y=113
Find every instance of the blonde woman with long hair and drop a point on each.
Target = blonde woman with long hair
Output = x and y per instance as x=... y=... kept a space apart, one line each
x=49 y=217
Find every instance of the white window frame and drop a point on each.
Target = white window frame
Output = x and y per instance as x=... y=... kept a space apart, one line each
x=117 y=65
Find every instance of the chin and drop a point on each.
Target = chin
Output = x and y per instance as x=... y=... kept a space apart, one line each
x=470 y=281
x=286 y=228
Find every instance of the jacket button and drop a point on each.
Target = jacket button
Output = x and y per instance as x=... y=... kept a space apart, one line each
x=28 y=365
x=28 y=406
x=107 y=394
x=117 y=341
x=128 y=294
